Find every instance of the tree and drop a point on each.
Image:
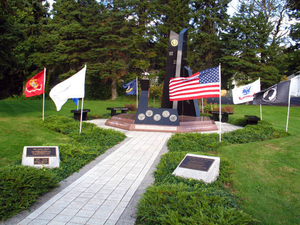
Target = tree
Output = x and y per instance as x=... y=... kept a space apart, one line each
x=251 y=42
x=166 y=15
x=209 y=17
x=21 y=26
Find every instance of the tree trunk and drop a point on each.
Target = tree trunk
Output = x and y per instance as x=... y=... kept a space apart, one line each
x=114 y=88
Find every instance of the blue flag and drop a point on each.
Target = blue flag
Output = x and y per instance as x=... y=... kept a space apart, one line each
x=75 y=100
x=130 y=87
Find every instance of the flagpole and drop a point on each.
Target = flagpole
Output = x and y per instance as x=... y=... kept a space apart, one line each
x=137 y=92
x=260 y=111
x=220 y=103
x=289 y=106
x=44 y=94
x=81 y=116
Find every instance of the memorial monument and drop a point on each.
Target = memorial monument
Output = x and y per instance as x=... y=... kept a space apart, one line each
x=180 y=117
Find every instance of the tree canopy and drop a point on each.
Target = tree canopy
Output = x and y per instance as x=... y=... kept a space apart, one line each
x=118 y=40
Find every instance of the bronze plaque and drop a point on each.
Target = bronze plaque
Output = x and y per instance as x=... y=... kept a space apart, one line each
x=196 y=163
x=38 y=161
x=41 y=151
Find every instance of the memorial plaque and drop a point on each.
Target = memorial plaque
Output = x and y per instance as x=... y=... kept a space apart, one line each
x=41 y=151
x=196 y=163
x=41 y=156
x=38 y=161
x=199 y=167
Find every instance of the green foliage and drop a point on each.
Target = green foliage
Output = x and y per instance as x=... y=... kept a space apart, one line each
x=84 y=147
x=171 y=160
x=182 y=204
x=20 y=186
x=176 y=200
x=190 y=142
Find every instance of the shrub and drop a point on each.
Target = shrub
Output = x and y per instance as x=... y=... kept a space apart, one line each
x=20 y=186
x=182 y=204
x=191 y=142
x=132 y=107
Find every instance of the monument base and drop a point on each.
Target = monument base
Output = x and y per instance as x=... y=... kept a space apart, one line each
x=187 y=124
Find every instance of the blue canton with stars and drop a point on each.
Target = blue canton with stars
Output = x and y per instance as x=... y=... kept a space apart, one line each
x=209 y=76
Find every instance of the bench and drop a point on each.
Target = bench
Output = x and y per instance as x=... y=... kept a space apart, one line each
x=113 y=110
x=252 y=120
x=224 y=118
x=77 y=113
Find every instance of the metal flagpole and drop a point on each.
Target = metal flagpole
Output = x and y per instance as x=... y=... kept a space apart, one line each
x=44 y=94
x=260 y=112
x=137 y=92
x=289 y=106
x=220 y=103
x=81 y=116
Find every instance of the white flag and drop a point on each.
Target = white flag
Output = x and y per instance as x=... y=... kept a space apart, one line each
x=245 y=93
x=295 y=86
x=73 y=87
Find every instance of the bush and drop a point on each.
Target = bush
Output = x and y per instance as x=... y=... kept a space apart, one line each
x=85 y=147
x=182 y=204
x=176 y=200
x=20 y=186
x=191 y=142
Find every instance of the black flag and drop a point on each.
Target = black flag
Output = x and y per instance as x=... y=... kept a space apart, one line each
x=278 y=94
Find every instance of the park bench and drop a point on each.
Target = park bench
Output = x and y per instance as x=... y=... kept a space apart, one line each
x=77 y=113
x=224 y=118
x=252 y=120
x=113 y=110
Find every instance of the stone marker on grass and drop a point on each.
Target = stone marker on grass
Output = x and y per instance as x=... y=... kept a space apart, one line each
x=199 y=167
x=41 y=156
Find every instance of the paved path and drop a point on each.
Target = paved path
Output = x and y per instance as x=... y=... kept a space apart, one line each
x=108 y=192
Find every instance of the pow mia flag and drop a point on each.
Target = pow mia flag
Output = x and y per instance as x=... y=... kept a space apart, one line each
x=278 y=94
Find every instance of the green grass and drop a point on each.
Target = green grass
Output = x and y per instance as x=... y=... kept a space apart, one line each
x=19 y=128
x=266 y=174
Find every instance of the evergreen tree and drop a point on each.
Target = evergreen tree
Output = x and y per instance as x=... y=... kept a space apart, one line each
x=167 y=15
x=209 y=17
x=21 y=26
x=251 y=43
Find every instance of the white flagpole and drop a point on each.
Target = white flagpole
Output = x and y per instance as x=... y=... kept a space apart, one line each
x=44 y=94
x=220 y=103
x=260 y=111
x=81 y=116
x=137 y=94
x=289 y=106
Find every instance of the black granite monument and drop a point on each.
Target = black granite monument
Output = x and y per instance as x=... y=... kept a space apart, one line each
x=177 y=67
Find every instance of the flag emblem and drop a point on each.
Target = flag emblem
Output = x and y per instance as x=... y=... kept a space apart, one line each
x=131 y=88
x=35 y=85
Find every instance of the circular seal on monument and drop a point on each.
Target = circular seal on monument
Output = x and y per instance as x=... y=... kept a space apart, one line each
x=141 y=116
x=174 y=42
x=157 y=117
x=173 y=118
x=149 y=113
x=166 y=114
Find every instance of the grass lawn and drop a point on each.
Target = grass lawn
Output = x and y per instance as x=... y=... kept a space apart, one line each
x=18 y=124
x=266 y=177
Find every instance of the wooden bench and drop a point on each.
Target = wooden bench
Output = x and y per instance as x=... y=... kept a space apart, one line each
x=252 y=120
x=77 y=113
x=113 y=110
x=224 y=118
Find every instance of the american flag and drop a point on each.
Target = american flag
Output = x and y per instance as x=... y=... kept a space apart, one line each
x=204 y=84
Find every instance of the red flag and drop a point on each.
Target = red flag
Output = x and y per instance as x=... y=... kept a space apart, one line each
x=35 y=86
